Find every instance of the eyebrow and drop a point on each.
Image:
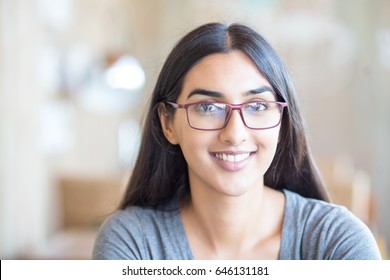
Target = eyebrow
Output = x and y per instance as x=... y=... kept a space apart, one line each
x=260 y=90
x=212 y=93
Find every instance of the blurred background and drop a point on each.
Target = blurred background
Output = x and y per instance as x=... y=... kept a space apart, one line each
x=75 y=78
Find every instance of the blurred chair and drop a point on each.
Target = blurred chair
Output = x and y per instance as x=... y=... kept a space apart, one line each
x=351 y=187
x=87 y=202
x=84 y=203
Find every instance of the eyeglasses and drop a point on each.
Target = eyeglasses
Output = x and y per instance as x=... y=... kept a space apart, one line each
x=215 y=115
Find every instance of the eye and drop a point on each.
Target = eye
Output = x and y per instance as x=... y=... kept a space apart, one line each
x=208 y=108
x=258 y=106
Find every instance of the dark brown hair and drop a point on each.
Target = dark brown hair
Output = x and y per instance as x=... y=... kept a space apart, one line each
x=160 y=172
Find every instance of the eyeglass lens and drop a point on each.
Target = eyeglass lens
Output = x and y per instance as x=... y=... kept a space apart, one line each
x=257 y=115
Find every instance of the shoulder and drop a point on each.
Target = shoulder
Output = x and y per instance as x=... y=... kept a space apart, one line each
x=308 y=209
x=119 y=235
x=321 y=230
x=135 y=233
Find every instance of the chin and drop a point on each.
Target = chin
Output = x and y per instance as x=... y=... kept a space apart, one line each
x=237 y=191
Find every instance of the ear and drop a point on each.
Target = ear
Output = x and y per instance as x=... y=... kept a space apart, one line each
x=166 y=120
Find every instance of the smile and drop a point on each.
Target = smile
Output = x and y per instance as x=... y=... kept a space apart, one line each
x=232 y=158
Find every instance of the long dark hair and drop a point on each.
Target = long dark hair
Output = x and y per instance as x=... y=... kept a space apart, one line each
x=160 y=172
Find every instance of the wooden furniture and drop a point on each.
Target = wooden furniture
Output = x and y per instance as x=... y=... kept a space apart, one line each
x=84 y=203
x=351 y=187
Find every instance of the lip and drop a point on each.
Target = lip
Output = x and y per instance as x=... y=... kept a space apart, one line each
x=232 y=161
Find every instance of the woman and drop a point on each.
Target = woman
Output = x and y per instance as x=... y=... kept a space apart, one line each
x=224 y=171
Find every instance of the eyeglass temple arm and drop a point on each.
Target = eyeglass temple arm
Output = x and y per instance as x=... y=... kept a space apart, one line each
x=175 y=105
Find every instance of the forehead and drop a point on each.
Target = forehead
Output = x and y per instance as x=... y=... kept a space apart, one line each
x=224 y=72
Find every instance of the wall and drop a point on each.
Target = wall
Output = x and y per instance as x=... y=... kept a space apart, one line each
x=24 y=177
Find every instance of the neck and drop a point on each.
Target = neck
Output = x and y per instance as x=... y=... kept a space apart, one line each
x=228 y=225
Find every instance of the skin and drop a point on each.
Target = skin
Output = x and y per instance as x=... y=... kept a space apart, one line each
x=231 y=215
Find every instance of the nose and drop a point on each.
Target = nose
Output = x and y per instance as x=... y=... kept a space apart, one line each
x=235 y=131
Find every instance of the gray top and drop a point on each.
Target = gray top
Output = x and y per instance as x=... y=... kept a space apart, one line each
x=312 y=229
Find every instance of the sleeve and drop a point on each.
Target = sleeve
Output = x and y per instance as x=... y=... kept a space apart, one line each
x=119 y=238
x=342 y=236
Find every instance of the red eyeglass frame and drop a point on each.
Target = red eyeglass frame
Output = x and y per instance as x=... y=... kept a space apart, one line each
x=231 y=108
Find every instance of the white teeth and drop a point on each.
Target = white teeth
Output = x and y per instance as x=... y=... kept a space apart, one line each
x=233 y=158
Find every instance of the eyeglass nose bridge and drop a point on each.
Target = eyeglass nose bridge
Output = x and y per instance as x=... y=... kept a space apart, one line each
x=230 y=112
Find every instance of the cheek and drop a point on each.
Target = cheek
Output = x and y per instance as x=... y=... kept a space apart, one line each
x=186 y=137
x=195 y=146
x=269 y=138
x=179 y=127
x=268 y=142
x=192 y=142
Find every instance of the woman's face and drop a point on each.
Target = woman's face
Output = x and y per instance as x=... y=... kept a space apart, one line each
x=231 y=161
